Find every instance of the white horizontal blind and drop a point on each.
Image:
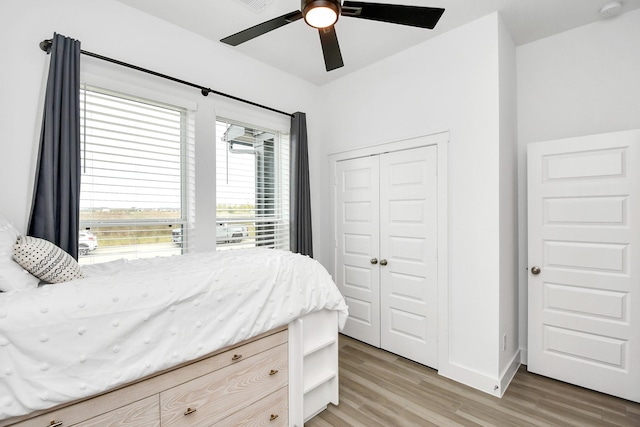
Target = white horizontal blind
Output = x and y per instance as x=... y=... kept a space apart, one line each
x=252 y=186
x=137 y=181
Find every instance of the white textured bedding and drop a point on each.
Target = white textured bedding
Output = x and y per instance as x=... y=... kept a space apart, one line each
x=128 y=319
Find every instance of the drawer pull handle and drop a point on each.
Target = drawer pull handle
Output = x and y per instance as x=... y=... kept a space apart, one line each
x=273 y=417
x=273 y=372
x=190 y=411
x=236 y=357
x=55 y=424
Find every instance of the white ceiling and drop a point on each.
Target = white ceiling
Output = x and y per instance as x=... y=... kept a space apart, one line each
x=295 y=48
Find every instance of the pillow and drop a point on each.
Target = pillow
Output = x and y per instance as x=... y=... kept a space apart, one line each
x=45 y=260
x=12 y=276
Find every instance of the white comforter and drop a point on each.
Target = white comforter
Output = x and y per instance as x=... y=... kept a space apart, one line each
x=67 y=341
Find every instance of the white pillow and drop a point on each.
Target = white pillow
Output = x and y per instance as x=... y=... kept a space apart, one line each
x=45 y=260
x=12 y=276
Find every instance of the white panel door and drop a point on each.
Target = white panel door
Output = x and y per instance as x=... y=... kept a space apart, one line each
x=584 y=261
x=357 y=234
x=408 y=254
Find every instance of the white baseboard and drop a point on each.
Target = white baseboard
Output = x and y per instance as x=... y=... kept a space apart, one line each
x=507 y=375
x=492 y=385
x=471 y=378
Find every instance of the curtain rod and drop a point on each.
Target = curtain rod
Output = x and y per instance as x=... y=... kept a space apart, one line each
x=45 y=45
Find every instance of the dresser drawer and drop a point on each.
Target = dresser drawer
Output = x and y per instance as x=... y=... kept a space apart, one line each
x=213 y=397
x=143 y=413
x=271 y=411
x=223 y=359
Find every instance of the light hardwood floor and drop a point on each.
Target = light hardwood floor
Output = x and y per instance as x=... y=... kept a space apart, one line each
x=378 y=388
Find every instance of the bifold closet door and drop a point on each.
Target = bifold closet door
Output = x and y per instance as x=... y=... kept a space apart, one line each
x=357 y=245
x=386 y=250
x=409 y=248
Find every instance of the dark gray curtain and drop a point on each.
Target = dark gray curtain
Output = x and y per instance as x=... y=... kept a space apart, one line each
x=300 y=197
x=55 y=208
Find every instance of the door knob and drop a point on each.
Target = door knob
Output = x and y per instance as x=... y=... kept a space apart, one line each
x=534 y=270
x=383 y=262
x=374 y=260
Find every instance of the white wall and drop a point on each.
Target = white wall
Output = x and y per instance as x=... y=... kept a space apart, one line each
x=115 y=30
x=584 y=81
x=448 y=83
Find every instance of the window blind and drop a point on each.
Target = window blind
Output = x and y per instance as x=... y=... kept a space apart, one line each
x=252 y=186
x=136 y=191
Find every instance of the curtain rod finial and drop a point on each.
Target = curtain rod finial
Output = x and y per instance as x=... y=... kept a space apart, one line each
x=45 y=45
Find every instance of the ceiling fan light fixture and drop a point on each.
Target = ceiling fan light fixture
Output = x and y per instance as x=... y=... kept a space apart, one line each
x=321 y=13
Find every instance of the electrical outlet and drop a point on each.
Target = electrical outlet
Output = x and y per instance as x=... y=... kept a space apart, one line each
x=504 y=342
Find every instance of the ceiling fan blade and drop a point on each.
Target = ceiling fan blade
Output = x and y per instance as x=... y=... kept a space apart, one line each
x=415 y=16
x=330 y=48
x=260 y=29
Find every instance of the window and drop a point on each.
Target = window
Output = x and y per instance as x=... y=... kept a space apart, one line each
x=137 y=158
x=252 y=186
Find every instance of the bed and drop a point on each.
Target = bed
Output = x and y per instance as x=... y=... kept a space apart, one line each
x=120 y=340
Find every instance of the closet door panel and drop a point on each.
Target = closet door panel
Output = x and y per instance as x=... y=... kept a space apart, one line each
x=408 y=244
x=357 y=241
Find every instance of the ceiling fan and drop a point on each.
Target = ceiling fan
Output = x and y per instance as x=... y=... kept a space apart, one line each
x=323 y=14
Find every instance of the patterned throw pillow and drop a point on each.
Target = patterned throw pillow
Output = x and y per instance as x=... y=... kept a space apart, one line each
x=45 y=260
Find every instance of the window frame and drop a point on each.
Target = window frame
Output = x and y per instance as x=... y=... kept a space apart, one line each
x=281 y=151
x=186 y=220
